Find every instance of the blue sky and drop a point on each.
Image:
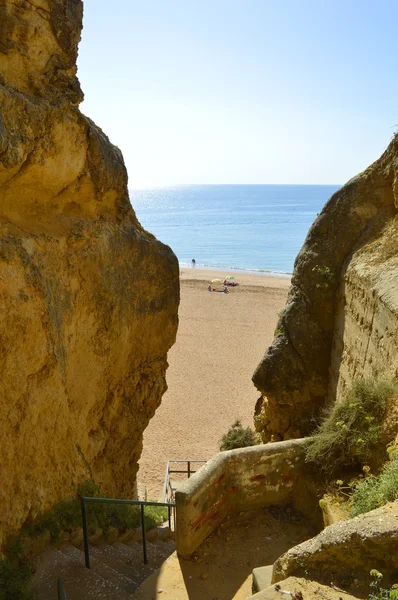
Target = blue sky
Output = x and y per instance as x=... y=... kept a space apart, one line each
x=242 y=91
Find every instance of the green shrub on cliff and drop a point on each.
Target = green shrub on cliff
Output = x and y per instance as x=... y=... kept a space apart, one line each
x=350 y=432
x=325 y=276
x=15 y=573
x=239 y=437
x=375 y=491
x=65 y=516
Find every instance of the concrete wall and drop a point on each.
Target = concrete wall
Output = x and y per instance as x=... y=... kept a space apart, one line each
x=243 y=479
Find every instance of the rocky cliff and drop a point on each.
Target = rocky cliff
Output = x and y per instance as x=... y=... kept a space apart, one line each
x=88 y=299
x=341 y=315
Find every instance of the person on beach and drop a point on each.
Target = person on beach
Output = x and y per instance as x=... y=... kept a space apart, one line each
x=193 y=262
x=209 y=288
x=231 y=283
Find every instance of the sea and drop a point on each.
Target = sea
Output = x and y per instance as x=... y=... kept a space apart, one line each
x=254 y=228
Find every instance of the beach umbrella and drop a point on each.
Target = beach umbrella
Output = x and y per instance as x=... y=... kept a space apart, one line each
x=216 y=280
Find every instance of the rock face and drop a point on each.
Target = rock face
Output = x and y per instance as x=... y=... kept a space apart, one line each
x=88 y=299
x=347 y=550
x=341 y=315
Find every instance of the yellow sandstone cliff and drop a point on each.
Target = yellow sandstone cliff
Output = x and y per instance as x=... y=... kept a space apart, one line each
x=341 y=316
x=88 y=299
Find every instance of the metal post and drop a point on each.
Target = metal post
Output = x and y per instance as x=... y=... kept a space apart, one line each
x=85 y=535
x=143 y=533
x=166 y=482
x=61 y=590
x=169 y=511
x=189 y=469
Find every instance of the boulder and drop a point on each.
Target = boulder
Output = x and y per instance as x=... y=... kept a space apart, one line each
x=344 y=553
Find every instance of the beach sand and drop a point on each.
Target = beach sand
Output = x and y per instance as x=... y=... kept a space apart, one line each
x=221 y=339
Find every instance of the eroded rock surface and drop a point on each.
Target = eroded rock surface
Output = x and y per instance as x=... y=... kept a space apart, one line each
x=342 y=308
x=88 y=299
x=347 y=551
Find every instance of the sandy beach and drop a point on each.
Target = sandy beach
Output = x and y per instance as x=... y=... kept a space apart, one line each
x=221 y=338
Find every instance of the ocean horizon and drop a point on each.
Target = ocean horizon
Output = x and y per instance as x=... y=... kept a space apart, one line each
x=250 y=228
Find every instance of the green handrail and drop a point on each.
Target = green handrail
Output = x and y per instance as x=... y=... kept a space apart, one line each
x=168 y=490
x=61 y=590
x=141 y=503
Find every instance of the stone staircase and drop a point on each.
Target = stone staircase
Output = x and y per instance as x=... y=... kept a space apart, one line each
x=116 y=571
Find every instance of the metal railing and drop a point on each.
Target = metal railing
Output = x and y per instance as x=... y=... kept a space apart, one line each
x=61 y=590
x=168 y=489
x=141 y=503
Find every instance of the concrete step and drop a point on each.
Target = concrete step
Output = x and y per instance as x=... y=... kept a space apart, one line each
x=80 y=583
x=156 y=551
x=121 y=580
x=116 y=570
x=128 y=563
x=130 y=556
x=261 y=578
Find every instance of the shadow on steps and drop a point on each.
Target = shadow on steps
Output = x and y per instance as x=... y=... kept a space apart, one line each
x=116 y=570
x=221 y=568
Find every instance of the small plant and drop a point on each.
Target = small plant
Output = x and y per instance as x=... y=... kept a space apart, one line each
x=349 y=434
x=155 y=515
x=377 y=592
x=372 y=492
x=325 y=275
x=279 y=325
x=15 y=573
x=239 y=437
